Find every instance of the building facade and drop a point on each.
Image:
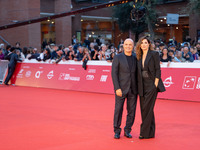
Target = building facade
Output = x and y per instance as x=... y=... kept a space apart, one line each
x=91 y=24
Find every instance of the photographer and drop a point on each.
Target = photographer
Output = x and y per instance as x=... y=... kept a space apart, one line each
x=45 y=55
x=86 y=57
x=13 y=57
x=80 y=54
x=95 y=53
x=187 y=55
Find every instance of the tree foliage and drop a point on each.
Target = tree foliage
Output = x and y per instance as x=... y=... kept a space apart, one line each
x=126 y=24
x=194 y=6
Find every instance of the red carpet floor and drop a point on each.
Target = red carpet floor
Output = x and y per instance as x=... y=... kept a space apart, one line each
x=47 y=119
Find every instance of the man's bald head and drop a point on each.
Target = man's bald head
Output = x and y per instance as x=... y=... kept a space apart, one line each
x=129 y=39
x=128 y=46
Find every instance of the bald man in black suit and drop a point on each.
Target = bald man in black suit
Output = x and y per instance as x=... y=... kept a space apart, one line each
x=124 y=69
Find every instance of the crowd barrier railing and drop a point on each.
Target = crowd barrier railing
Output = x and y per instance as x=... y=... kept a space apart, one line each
x=3 y=69
x=182 y=80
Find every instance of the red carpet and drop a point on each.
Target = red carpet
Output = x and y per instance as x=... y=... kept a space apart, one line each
x=47 y=119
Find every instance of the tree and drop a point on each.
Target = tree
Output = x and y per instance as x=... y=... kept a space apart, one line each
x=194 y=6
x=138 y=23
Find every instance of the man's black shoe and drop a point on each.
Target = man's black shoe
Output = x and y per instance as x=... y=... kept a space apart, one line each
x=128 y=135
x=116 y=136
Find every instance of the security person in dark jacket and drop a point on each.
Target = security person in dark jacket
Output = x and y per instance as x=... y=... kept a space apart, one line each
x=13 y=57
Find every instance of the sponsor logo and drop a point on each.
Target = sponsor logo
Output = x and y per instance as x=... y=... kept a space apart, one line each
x=26 y=67
x=50 y=75
x=61 y=77
x=20 y=75
x=72 y=69
x=64 y=76
x=67 y=77
x=92 y=71
x=168 y=82
x=103 y=78
x=106 y=70
x=20 y=72
x=90 y=77
x=198 y=84
x=28 y=74
x=189 y=82
x=37 y=74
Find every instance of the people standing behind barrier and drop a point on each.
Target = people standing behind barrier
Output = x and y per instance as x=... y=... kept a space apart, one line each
x=164 y=57
x=34 y=54
x=178 y=57
x=86 y=57
x=158 y=50
x=103 y=52
x=13 y=57
x=161 y=46
x=187 y=55
x=92 y=46
x=25 y=51
x=111 y=57
x=173 y=48
x=7 y=51
x=95 y=53
x=173 y=56
x=79 y=55
x=60 y=56
x=29 y=52
x=87 y=42
x=54 y=54
x=70 y=54
x=3 y=49
x=1 y=54
x=45 y=55
x=17 y=46
x=121 y=49
x=194 y=52
x=198 y=48
x=74 y=39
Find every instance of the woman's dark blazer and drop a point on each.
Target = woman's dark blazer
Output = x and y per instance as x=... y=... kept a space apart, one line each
x=153 y=63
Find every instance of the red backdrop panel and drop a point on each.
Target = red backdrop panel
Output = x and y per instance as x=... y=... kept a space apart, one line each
x=180 y=83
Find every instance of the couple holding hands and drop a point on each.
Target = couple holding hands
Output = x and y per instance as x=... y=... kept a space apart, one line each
x=134 y=74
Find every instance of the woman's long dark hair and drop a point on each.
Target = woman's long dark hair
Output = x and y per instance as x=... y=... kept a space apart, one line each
x=138 y=47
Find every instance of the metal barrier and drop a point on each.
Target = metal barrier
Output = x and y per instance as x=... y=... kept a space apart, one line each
x=3 y=69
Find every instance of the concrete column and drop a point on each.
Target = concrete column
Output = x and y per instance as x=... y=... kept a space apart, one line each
x=63 y=25
x=194 y=25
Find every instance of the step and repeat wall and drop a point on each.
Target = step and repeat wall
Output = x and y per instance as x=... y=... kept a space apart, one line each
x=182 y=80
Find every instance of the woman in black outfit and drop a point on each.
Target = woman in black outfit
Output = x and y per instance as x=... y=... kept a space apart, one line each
x=149 y=84
x=164 y=57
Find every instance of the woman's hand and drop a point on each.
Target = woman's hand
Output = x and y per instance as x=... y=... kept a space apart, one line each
x=119 y=92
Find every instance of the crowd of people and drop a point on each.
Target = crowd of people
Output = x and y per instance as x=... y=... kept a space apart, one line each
x=170 y=52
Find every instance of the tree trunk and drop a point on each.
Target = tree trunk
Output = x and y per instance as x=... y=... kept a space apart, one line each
x=136 y=37
x=150 y=27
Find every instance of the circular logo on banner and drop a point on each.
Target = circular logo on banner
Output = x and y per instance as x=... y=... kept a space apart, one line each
x=50 y=75
x=37 y=74
x=28 y=74
x=168 y=82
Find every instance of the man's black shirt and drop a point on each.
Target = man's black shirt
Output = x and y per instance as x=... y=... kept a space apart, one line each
x=130 y=61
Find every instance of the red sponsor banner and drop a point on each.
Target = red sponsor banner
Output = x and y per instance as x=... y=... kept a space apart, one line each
x=180 y=83
x=64 y=76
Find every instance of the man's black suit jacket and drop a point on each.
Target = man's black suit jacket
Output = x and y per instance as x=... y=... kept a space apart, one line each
x=13 y=58
x=123 y=78
x=153 y=63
